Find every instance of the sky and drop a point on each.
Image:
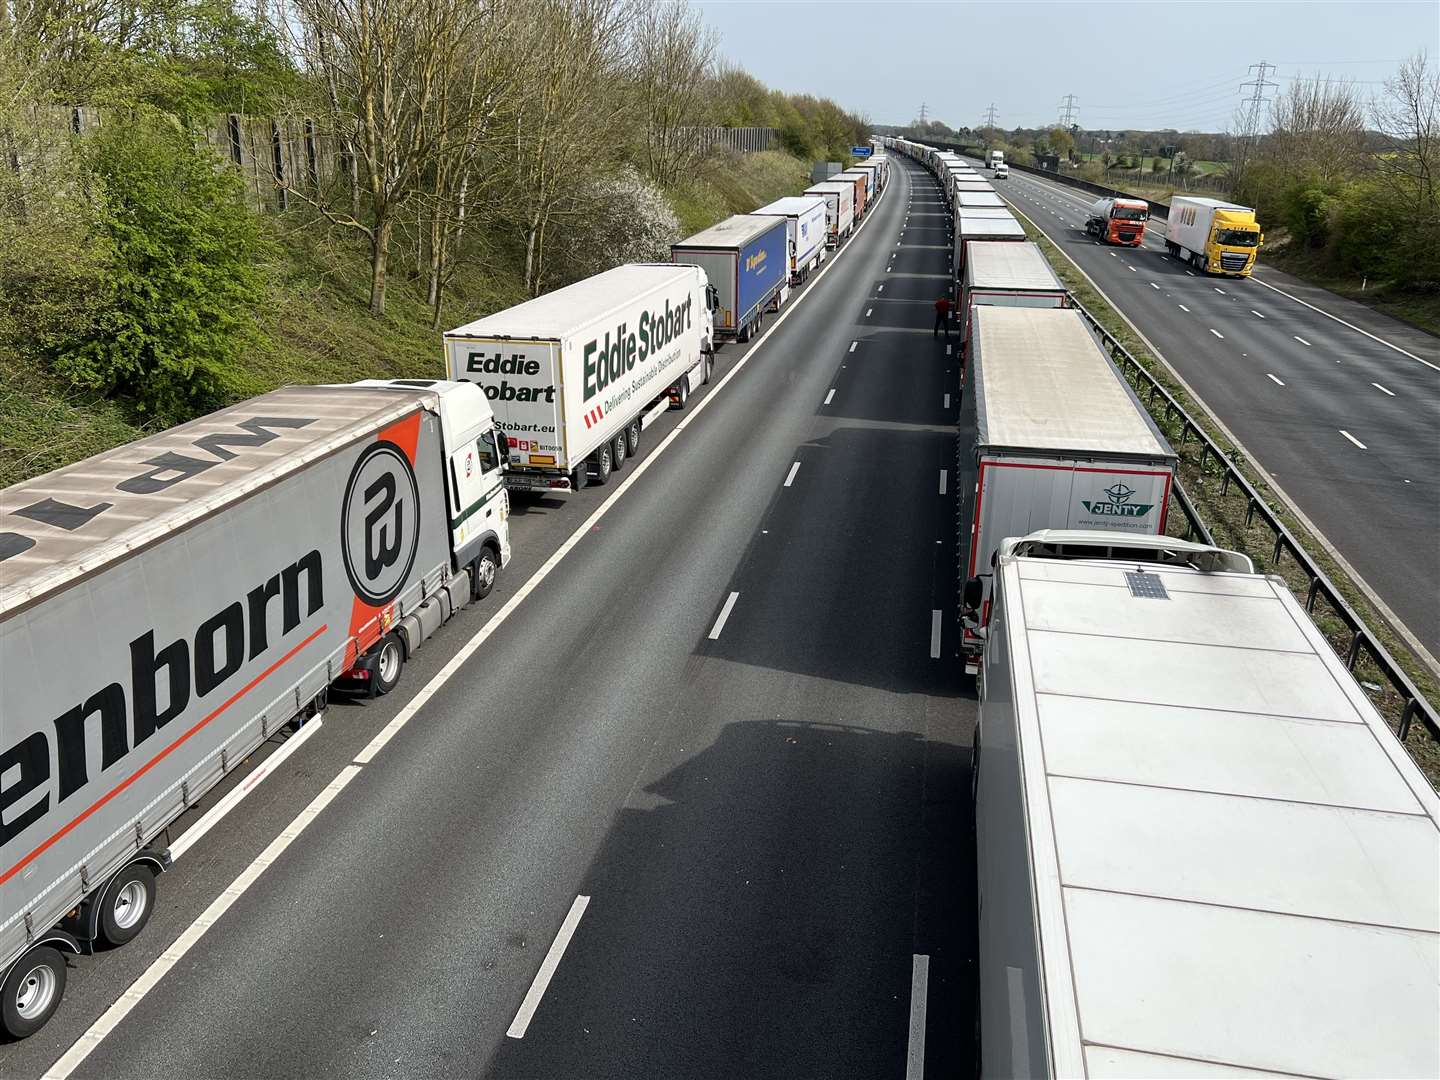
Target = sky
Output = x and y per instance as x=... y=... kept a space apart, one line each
x=1150 y=64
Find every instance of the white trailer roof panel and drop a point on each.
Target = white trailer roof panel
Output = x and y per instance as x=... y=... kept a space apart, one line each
x=979 y=212
x=978 y=198
x=1042 y=382
x=734 y=231
x=558 y=314
x=792 y=205
x=1235 y=861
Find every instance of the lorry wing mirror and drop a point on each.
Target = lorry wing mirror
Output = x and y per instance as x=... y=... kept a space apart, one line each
x=974 y=591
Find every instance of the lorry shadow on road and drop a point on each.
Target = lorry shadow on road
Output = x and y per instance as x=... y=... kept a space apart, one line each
x=755 y=910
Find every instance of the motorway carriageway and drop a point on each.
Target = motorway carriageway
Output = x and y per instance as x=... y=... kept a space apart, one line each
x=687 y=796
x=1345 y=425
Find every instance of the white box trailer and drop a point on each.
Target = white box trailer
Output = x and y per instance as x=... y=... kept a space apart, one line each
x=1051 y=436
x=167 y=606
x=1201 y=851
x=983 y=225
x=1003 y=274
x=840 y=199
x=806 y=219
x=570 y=374
x=974 y=199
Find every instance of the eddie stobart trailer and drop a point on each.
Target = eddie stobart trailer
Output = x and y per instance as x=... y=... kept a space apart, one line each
x=840 y=217
x=572 y=374
x=745 y=258
x=806 y=225
x=1050 y=437
x=1201 y=852
x=168 y=605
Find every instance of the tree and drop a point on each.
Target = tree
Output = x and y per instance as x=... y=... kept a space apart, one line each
x=1409 y=117
x=674 y=54
x=1062 y=143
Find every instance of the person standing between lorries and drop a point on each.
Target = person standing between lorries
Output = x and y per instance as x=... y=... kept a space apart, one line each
x=942 y=316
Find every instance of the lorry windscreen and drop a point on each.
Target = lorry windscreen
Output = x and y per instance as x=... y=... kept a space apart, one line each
x=1130 y=213
x=1237 y=237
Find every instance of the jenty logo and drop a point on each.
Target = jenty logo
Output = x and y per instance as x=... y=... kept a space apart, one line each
x=754 y=261
x=1119 y=504
x=380 y=523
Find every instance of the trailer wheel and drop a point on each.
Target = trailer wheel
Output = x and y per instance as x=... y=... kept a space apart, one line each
x=487 y=569
x=32 y=991
x=632 y=436
x=604 y=463
x=683 y=397
x=389 y=661
x=709 y=368
x=618 y=448
x=126 y=904
x=743 y=335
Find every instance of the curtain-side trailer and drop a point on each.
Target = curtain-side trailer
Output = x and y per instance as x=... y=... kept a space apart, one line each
x=1050 y=437
x=806 y=218
x=571 y=374
x=1200 y=849
x=983 y=225
x=863 y=194
x=167 y=606
x=1002 y=274
x=840 y=198
x=746 y=260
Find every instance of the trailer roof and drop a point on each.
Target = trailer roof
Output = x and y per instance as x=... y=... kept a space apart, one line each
x=735 y=230
x=1009 y=266
x=1236 y=864
x=974 y=185
x=50 y=534
x=833 y=186
x=1215 y=204
x=984 y=228
x=977 y=212
x=1042 y=382
x=792 y=205
x=562 y=312
x=978 y=198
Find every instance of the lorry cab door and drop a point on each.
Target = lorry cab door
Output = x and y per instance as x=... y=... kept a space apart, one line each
x=476 y=488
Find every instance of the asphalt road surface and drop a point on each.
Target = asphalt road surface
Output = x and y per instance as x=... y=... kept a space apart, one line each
x=1348 y=427
x=729 y=716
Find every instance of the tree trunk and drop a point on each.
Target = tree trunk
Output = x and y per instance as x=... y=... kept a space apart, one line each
x=379 y=258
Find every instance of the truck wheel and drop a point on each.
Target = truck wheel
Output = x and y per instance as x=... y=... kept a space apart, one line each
x=709 y=367
x=632 y=436
x=486 y=570
x=126 y=904
x=32 y=991
x=744 y=334
x=604 y=464
x=618 y=447
x=389 y=660
x=683 y=398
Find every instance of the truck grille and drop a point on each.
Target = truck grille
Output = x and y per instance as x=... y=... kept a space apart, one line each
x=1233 y=260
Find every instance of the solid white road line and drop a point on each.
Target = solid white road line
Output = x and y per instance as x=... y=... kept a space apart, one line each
x=1352 y=326
x=852 y=345
x=1354 y=440
x=947 y=398
x=547 y=968
x=1382 y=389
x=919 y=993
x=1183 y=308
x=1273 y=379
x=724 y=614
x=152 y=975
x=1154 y=286
x=830 y=396
x=115 y=1015
x=867 y=312
x=935 y=634
x=944 y=478
x=790 y=479
x=1300 y=339
x=237 y=795
x=1217 y=333
x=1256 y=313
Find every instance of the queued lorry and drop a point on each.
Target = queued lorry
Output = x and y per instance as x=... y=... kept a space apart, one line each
x=1201 y=851
x=746 y=259
x=1004 y=274
x=997 y=157
x=862 y=181
x=1119 y=220
x=169 y=605
x=573 y=374
x=806 y=218
x=971 y=200
x=1212 y=235
x=1051 y=436
x=840 y=212
x=983 y=225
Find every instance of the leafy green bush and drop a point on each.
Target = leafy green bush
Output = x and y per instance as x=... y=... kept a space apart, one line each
x=182 y=282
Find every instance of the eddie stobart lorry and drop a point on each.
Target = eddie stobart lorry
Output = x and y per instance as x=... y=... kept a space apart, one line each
x=572 y=374
x=167 y=606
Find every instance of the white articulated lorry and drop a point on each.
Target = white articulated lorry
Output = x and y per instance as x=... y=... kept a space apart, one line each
x=1201 y=852
x=982 y=225
x=840 y=213
x=1050 y=437
x=1002 y=274
x=167 y=606
x=572 y=374
x=806 y=218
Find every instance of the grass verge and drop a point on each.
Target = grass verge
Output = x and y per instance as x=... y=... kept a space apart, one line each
x=1420 y=308
x=1225 y=513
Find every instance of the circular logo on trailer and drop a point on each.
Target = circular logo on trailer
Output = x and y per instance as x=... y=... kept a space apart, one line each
x=380 y=523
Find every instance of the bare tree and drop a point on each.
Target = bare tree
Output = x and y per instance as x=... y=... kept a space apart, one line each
x=674 y=53
x=1318 y=127
x=1409 y=117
